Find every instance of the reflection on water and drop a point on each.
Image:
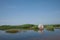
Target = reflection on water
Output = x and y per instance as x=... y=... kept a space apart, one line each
x=41 y=30
x=31 y=35
x=50 y=29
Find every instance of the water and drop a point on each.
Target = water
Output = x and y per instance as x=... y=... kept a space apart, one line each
x=31 y=35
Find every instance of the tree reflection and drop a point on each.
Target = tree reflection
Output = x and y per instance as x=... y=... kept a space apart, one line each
x=50 y=29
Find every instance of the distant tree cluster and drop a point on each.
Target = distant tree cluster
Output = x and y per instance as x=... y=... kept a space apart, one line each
x=24 y=26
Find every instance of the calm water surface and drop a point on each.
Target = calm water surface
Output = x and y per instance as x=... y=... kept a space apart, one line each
x=31 y=35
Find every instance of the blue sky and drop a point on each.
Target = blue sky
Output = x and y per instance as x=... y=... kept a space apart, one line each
x=17 y=12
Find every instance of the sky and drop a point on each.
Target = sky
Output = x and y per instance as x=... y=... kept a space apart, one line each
x=17 y=12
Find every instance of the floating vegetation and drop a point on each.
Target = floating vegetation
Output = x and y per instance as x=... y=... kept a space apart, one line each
x=12 y=31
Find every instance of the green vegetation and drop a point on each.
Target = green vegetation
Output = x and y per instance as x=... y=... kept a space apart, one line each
x=17 y=28
x=54 y=25
x=25 y=26
x=50 y=28
x=35 y=27
x=29 y=26
x=12 y=31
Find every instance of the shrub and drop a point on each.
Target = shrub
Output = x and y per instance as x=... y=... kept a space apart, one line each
x=50 y=28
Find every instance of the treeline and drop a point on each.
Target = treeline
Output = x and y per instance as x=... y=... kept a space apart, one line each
x=27 y=26
x=54 y=25
x=24 y=26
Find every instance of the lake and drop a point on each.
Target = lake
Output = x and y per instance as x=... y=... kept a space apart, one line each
x=31 y=35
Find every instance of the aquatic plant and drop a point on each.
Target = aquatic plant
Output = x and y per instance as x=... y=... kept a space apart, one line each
x=12 y=31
